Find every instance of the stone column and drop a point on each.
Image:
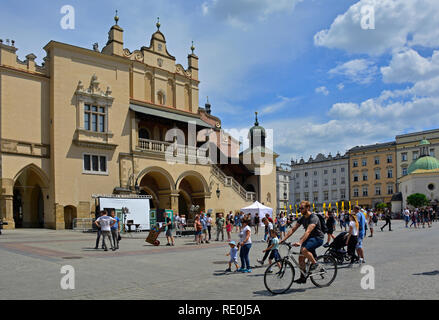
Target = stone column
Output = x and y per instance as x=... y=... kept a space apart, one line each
x=6 y=202
x=174 y=202
x=59 y=217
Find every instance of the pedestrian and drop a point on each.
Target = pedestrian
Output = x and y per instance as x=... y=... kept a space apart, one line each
x=233 y=253
x=371 y=222
x=388 y=221
x=406 y=217
x=229 y=230
x=361 y=219
x=203 y=220
x=115 y=230
x=177 y=223
x=330 y=225
x=209 y=225
x=169 y=236
x=273 y=248
x=414 y=218
x=257 y=222
x=198 y=229
x=282 y=225
x=99 y=233
x=220 y=221
x=105 y=223
x=245 y=246
x=268 y=227
x=340 y=219
x=352 y=238
x=237 y=222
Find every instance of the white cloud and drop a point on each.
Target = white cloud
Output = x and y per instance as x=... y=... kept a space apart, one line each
x=398 y=23
x=275 y=107
x=323 y=90
x=410 y=66
x=360 y=71
x=340 y=86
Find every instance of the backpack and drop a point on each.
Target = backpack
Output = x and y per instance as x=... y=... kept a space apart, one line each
x=375 y=218
x=323 y=225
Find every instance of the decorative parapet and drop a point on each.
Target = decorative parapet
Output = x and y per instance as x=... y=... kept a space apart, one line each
x=24 y=148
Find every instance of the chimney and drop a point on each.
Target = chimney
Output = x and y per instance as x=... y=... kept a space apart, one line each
x=30 y=60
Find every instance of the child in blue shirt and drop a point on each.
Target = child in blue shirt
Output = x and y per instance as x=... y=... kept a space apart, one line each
x=274 y=247
x=233 y=256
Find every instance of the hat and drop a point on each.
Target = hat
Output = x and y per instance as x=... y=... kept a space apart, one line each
x=232 y=242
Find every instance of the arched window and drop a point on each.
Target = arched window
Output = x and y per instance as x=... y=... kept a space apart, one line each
x=143 y=133
x=161 y=98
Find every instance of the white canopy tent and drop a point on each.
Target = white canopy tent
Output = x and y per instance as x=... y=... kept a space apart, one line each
x=258 y=208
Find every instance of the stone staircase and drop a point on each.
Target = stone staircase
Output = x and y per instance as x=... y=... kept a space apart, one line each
x=230 y=182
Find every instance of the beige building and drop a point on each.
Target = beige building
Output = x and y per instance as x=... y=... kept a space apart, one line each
x=407 y=149
x=89 y=122
x=372 y=172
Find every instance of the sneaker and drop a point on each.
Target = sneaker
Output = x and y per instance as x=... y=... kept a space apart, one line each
x=241 y=270
x=301 y=280
x=313 y=267
x=207 y=242
x=247 y=271
x=168 y=244
x=261 y=262
x=326 y=245
x=105 y=249
x=228 y=270
x=270 y=271
x=96 y=248
x=370 y=236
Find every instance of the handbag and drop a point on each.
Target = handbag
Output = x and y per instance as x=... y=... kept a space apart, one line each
x=119 y=237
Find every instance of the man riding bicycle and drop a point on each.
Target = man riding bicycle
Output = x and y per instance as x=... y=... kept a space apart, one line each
x=311 y=239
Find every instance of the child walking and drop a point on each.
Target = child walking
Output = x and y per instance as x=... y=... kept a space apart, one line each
x=274 y=247
x=229 y=230
x=233 y=256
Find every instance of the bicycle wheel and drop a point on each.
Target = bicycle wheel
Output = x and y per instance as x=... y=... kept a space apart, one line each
x=326 y=272
x=279 y=278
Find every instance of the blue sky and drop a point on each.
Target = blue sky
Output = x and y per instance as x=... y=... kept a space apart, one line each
x=320 y=81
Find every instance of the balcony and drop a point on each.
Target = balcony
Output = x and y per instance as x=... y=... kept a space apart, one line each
x=159 y=149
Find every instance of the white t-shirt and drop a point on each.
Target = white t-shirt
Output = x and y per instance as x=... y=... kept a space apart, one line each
x=243 y=235
x=105 y=222
x=283 y=221
x=270 y=227
x=407 y=213
x=354 y=228
x=209 y=221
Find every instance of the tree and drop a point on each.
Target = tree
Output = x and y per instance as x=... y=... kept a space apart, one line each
x=417 y=200
x=381 y=206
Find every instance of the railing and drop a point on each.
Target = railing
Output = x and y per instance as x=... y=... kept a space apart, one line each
x=231 y=182
x=160 y=147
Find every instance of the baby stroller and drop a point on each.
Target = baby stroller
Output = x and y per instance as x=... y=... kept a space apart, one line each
x=337 y=249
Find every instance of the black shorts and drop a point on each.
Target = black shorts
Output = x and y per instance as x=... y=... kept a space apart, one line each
x=274 y=254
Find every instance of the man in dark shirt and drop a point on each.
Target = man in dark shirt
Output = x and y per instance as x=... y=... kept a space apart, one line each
x=169 y=235
x=310 y=241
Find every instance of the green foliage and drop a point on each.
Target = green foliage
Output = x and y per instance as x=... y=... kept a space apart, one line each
x=381 y=206
x=417 y=200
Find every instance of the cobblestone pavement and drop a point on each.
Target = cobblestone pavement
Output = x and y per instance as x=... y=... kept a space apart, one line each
x=406 y=263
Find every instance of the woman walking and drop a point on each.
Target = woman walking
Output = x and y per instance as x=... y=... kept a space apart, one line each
x=330 y=224
x=352 y=237
x=257 y=221
x=245 y=245
x=282 y=225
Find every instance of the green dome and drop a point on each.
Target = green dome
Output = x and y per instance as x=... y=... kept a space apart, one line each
x=424 y=163
x=424 y=142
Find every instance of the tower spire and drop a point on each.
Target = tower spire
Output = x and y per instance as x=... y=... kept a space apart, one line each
x=158 y=23
x=256 y=122
x=192 y=47
x=116 y=17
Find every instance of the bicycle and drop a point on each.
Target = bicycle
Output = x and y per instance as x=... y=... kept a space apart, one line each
x=279 y=276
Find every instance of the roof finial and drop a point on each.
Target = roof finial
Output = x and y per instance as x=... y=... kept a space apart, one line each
x=193 y=48
x=256 y=122
x=207 y=99
x=116 y=17
x=158 y=23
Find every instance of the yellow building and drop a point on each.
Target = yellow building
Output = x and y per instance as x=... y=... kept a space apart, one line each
x=372 y=172
x=89 y=122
